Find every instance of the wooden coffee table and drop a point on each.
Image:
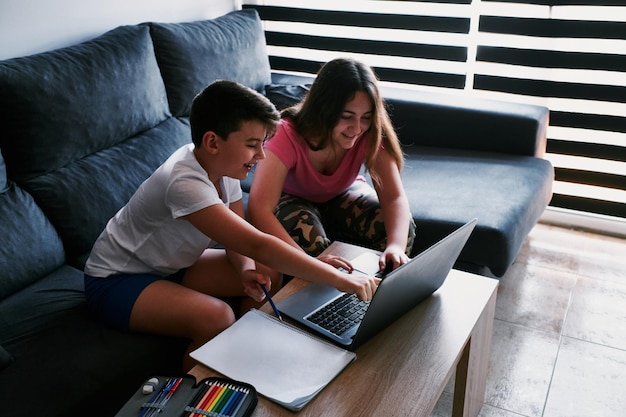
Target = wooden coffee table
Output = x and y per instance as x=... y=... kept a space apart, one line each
x=404 y=369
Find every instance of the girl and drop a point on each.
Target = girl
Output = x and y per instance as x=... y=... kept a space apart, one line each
x=308 y=190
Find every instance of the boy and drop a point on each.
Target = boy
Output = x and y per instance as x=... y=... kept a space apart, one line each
x=153 y=268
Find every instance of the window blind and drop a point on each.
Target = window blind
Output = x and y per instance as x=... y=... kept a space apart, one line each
x=403 y=41
x=569 y=55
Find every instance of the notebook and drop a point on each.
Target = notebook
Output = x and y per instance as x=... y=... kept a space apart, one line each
x=284 y=364
x=399 y=291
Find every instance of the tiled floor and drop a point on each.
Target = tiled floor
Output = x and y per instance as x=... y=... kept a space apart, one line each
x=559 y=340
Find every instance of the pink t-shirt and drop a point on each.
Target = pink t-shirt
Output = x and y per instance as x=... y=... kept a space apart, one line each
x=303 y=180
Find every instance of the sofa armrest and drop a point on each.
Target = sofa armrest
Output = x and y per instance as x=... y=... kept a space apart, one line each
x=459 y=122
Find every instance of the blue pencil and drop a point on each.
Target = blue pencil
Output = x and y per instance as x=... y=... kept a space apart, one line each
x=241 y=396
x=232 y=403
x=241 y=401
x=269 y=298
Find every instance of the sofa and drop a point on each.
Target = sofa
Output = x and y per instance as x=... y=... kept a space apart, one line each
x=84 y=125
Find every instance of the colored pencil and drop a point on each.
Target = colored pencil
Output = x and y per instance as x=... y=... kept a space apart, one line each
x=207 y=398
x=219 y=406
x=217 y=397
x=243 y=400
x=196 y=398
x=232 y=403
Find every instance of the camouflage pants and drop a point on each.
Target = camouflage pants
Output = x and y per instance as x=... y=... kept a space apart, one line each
x=353 y=216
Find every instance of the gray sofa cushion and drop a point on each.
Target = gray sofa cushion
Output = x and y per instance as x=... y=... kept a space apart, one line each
x=30 y=245
x=194 y=54
x=103 y=91
x=80 y=198
x=39 y=304
x=286 y=95
x=77 y=361
x=507 y=193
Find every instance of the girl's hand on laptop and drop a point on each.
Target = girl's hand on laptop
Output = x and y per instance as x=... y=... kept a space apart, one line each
x=392 y=256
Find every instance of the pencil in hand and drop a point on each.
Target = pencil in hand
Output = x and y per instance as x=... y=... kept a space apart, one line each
x=269 y=299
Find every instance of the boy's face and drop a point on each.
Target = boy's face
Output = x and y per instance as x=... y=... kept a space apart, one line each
x=242 y=149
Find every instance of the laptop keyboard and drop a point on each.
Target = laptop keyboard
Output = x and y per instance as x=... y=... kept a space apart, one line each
x=344 y=312
x=340 y=314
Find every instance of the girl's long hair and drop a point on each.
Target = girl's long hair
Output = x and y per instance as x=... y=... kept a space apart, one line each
x=336 y=83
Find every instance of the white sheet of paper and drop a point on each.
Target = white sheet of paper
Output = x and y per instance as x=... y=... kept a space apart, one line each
x=283 y=363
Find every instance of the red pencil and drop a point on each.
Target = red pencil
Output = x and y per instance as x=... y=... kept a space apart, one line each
x=206 y=400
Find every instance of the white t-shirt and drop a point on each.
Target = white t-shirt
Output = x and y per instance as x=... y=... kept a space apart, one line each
x=147 y=235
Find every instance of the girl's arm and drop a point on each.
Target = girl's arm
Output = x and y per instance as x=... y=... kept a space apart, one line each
x=236 y=234
x=394 y=207
x=267 y=187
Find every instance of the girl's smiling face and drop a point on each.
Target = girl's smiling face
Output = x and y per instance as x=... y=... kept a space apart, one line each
x=355 y=119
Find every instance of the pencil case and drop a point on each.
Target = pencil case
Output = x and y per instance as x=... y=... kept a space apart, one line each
x=182 y=397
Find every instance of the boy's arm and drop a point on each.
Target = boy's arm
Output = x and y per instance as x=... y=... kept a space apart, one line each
x=228 y=228
x=247 y=266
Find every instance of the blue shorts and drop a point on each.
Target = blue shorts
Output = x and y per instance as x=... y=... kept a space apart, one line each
x=111 y=299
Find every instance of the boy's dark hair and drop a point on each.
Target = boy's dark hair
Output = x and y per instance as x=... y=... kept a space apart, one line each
x=223 y=105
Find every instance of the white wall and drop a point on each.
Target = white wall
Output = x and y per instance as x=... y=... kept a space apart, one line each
x=32 y=26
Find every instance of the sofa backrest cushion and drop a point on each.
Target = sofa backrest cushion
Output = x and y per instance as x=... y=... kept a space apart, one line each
x=58 y=106
x=30 y=245
x=286 y=95
x=82 y=197
x=424 y=119
x=194 y=54
x=83 y=126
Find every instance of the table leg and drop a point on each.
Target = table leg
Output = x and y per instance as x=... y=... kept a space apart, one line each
x=471 y=371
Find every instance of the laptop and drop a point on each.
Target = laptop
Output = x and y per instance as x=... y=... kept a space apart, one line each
x=399 y=291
